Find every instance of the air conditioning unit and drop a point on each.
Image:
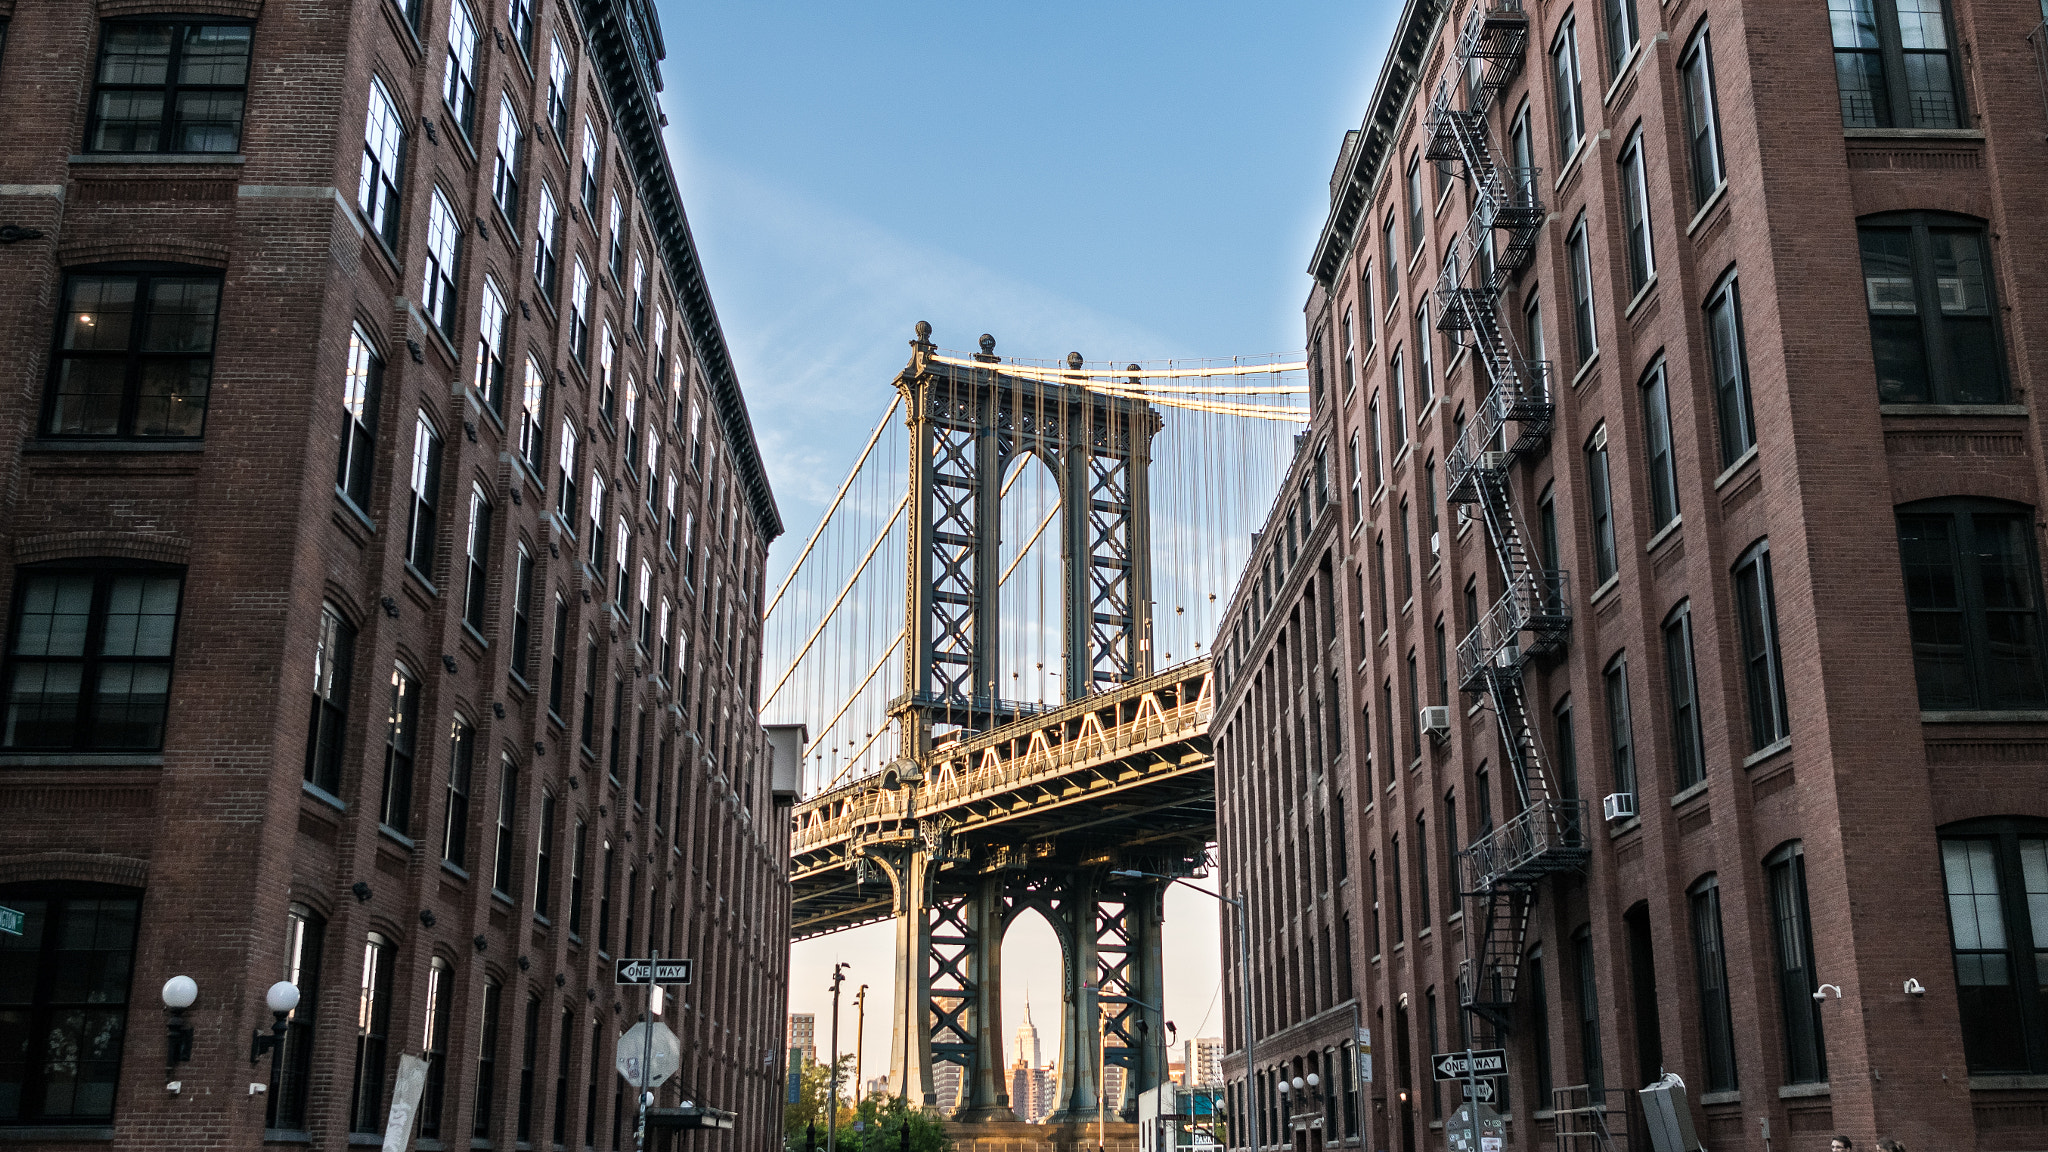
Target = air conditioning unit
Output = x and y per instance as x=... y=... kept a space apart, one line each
x=1619 y=805
x=1507 y=656
x=1494 y=461
x=1436 y=720
x=1436 y=544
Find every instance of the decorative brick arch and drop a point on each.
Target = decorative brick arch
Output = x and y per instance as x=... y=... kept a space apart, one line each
x=89 y=867
x=80 y=545
x=233 y=9
x=165 y=249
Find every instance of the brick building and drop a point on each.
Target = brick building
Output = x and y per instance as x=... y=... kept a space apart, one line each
x=387 y=537
x=1775 y=635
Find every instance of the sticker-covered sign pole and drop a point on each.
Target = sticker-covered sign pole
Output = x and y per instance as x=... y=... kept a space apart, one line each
x=647 y=1048
x=1472 y=1095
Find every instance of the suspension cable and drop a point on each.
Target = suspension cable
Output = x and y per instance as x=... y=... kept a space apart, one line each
x=798 y=659
x=827 y=517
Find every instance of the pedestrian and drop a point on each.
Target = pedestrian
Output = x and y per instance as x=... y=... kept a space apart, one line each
x=1841 y=1143
x=1890 y=1146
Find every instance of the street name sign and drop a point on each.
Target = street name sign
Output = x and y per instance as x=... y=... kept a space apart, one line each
x=1462 y=1065
x=1480 y=1090
x=646 y=971
x=11 y=920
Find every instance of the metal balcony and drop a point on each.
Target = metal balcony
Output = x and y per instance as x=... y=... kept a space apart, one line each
x=1521 y=394
x=1538 y=603
x=1548 y=837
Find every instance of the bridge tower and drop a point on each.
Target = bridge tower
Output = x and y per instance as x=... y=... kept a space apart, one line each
x=1500 y=872
x=970 y=421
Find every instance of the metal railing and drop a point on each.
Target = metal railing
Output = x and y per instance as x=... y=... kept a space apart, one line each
x=1538 y=601
x=1548 y=836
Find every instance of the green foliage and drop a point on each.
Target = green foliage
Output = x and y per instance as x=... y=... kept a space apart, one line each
x=813 y=1097
x=883 y=1120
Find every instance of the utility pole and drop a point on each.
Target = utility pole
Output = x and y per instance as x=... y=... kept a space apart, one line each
x=832 y=1108
x=860 y=1036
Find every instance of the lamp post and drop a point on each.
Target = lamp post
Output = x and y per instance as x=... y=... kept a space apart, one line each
x=860 y=1036
x=832 y=1108
x=179 y=994
x=1244 y=988
x=282 y=997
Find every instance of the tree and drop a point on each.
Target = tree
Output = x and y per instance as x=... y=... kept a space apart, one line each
x=814 y=1092
x=883 y=1120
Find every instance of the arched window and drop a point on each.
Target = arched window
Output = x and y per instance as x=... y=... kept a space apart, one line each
x=1933 y=328
x=305 y=932
x=1710 y=971
x=64 y=985
x=1973 y=603
x=1996 y=874
x=1806 y=1058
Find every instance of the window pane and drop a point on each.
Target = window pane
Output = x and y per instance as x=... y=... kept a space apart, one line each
x=42 y=705
x=1859 y=64
x=88 y=399
x=129 y=122
x=102 y=309
x=1896 y=339
x=1989 y=1002
x=142 y=614
x=1963 y=293
x=135 y=54
x=1930 y=89
x=171 y=398
x=181 y=314
x=129 y=706
x=207 y=122
x=54 y=613
x=2005 y=576
x=215 y=54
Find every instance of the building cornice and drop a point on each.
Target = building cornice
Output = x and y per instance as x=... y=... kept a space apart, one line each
x=1353 y=188
x=625 y=43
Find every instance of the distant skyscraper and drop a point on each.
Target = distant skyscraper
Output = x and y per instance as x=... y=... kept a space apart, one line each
x=946 y=1085
x=1204 y=1060
x=1027 y=1041
x=803 y=1033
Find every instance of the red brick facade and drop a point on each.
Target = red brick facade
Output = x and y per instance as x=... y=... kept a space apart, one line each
x=1867 y=781
x=223 y=833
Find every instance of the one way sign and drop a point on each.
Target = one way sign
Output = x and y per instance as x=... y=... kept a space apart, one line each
x=646 y=971
x=1461 y=1065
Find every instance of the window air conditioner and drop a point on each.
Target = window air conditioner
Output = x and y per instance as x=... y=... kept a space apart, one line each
x=1436 y=545
x=1494 y=461
x=1436 y=720
x=1619 y=805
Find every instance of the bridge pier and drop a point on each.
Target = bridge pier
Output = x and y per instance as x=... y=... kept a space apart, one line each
x=910 y=1045
x=987 y=1089
x=1080 y=1018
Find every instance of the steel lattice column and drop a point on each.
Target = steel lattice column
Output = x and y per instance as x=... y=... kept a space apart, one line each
x=1080 y=1021
x=987 y=1088
x=1144 y=915
x=910 y=1044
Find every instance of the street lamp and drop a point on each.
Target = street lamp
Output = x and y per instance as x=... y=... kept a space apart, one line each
x=1244 y=990
x=281 y=999
x=832 y=1113
x=180 y=992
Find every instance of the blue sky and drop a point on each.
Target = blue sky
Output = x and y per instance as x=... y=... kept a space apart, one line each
x=1130 y=180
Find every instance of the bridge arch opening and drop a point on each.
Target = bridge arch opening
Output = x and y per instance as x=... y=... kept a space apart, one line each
x=1030 y=656
x=1034 y=969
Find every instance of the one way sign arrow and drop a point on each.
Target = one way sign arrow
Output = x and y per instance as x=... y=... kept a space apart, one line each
x=1467 y=1064
x=649 y=971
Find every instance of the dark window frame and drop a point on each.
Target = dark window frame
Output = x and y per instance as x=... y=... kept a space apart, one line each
x=44 y=1012
x=91 y=661
x=1728 y=360
x=1806 y=1053
x=1710 y=978
x=1940 y=350
x=1681 y=675
x=134 y=357
x=1968 y=576
x=1894 y=95
x=171 y=87
x=1770 y=712
x=2026 y=1014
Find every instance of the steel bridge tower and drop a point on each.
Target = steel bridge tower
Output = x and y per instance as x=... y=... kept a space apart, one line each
x=952 y=902
x=1499 y=872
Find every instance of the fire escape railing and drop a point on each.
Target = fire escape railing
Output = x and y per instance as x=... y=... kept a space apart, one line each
x=1500 y=870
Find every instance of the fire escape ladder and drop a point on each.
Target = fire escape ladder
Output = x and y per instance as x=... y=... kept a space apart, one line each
x=1499 y=871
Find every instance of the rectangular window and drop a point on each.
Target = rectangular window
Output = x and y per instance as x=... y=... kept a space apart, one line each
x=1702 y=120
x=400 y=734
x=578 y=845
x=455 y=825
x=1806 y=1059
x=1688 y=750
x=373 y=1030
x=1621 y=739
x=595 y=523
x=490 y=349
x=434 y=1045
x=1892 y=64
x=1416 y=204
x=1564 y=72
x=65 y=994
x=508 y=798
x=1592 y=1066
x=589 y=156
x=1582 y=292
x=89 y=666
x=640 y=297
x=1635 y=206
x=169 y=86
x=1567 y=750
x=1997 y=884
x=529 y=1055
x=1372 y=428
x=558 y=90
x=579 y=313
x=327 y=727
x=304 y=936
x=444 y=250
x=617 y=247
x=547 y=221
x=1711 y=969
x=505 y=169
x=1763 y=673
x=1973 y=607
x=1393 y=260
x=589 y=728
x=533 y=396
x=426 y=487
x=383 y=160
x=1605 y=562
x=135 y=358
x=1622 y=32
x=1394 y=862
x=486 y=1063
x=1730 y=365
x=458 y=79
x=1657 y=442
x=1932 y=333
x=1397 y=414
x=519 y=19
x=1425 y=364
x=566 y=470
x=544 y=856
x=1421 y=846
x=1350 y=353
x=361 y=383
x=522 y=614
x=557 y=656
x=607 y=379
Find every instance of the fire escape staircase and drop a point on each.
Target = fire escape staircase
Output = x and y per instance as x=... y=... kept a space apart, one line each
x=1500 y=871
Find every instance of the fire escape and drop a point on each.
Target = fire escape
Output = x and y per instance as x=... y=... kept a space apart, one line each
x=1500 y=871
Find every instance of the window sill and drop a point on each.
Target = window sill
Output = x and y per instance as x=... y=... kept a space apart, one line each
x=81 y=760
x=286 y=1136
x=1900 y=134
x=425 y=583
x=57 y=1134
x=1664 y=534
x=455 y=870
x=83 y=444
x=365 y=1140
x=1621 y=72
x=167 y=157
x=2007 y=1083
x=1952 y=409
x=361 y=516
x=397 y=837
x=1689 y=793
x=1729 y=472
x=1641 y=295
x=1801 y=1091
x=476 y=637
x=2014 y=716
x=1571 y=163
x=1709 y=1099
x=1700 y=217
x=323 y=795
x=1601 y=592
x=1766 y=752
x=1621 y=828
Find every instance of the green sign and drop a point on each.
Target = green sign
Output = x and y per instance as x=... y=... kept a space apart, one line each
x=11 y=920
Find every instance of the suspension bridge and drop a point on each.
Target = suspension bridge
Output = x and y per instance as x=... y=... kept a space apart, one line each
x=1017 y=719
